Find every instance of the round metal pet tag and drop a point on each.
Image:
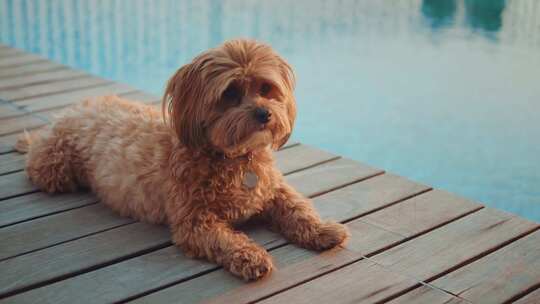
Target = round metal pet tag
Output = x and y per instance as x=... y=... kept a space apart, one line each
x=250 y=180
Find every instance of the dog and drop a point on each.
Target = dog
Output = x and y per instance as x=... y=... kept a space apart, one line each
x=201 y=165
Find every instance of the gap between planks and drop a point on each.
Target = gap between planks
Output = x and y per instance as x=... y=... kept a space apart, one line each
x=296 y=145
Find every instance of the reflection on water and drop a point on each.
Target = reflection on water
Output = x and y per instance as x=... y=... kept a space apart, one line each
x=439 y=13
x=445 y=92
x=484 y=16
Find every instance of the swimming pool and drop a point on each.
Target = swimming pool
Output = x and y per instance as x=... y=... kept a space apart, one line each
x=445 y=92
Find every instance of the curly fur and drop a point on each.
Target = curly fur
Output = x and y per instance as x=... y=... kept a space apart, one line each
x=185 y=166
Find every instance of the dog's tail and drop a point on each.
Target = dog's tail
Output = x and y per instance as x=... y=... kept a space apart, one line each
x=24 y=141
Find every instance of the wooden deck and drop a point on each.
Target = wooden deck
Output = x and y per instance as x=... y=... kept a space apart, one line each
x=410 y=243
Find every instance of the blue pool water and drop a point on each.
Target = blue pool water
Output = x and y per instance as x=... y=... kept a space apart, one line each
x=446 y=92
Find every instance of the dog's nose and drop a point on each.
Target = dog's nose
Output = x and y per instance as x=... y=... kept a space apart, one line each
x=262 y=115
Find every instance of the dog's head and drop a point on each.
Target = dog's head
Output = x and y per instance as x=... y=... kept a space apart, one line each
x=235 y=98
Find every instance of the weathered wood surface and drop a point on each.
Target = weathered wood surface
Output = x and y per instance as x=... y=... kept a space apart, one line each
x=108 y=221
x=18 y=60
x=40 y=78
x=7 y=142
x=65 y=85
x=499 y=276
x=427 y=295
x=532 y=298
x=366 y=239
x=408 y=244
x=11 y=162
x=30 y=69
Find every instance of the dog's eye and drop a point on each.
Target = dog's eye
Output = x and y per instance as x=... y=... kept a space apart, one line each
x=265 y=89
x=231 y=93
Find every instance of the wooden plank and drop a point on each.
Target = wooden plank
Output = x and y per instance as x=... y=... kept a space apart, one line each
x=338 y=286
x=19 y=60
x=30 y=69
x=24 y=208
x=347 y=167
x=11 y=162
x=532 y=298
x=498 y=277
x=368 y=238
x=7 y=109
x=294 y=266
x=427 y=295
x=7 y=143
x=360 y=243
x=40 y=78
x=330 y=175
x=169 y=259
x=32 y=121
x=43 y=232
x=368 y=196
x=15 y=184
x=51 y=88
x=64 y=99
x=443 y=249
x=406 y=217
x=80 y=255
x=8 y=52
x=21 y=123
x=296 y=159
x=455 y=244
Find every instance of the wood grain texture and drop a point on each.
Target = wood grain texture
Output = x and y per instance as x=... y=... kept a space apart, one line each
x=369 y=282
x=39 y=78
x=407 y=217
x=7 y=143
x=79 y=255
x=499 y=276
x=427 y=295
x=454 y=244
x=367 y=196
x=30 y=69
x=15 y=184
x=34 y=205
x=11 y=162
x=139 y=274
x=8 y=52
x=306 y=265
x=7 y=110
x=64 y=99
x=164 y=266
x=21 y=123
x=301 y=156
x=13 y=61
x=330 y=176
x=23 y=206
x=365 y=240
x=21 y=93
x=421 y=258
x=532 y=298
x=43 y=232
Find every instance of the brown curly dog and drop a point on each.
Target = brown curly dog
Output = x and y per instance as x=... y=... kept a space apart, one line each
x=201 y=166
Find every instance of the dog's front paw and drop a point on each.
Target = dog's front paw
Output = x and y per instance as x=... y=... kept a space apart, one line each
x=251 y=263
x=330 y=235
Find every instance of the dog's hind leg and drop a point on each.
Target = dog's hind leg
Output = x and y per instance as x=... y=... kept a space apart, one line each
x=51 y=162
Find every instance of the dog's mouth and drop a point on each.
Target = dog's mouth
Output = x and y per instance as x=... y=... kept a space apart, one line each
x=258 y=139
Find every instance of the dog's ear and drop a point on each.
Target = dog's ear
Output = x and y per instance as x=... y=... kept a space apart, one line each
x=182 y=105
x=289 y=82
